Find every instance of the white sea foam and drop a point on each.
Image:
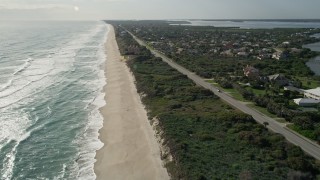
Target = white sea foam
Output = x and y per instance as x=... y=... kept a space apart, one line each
x=24 y=66
x=21 y=135
x=34 y=76
x=5 y=85
x=89 y=142
x=8 y=164
x=62 y=173
x=13 y=129
x=16 y=69
x=13 y=124
x=38 y=74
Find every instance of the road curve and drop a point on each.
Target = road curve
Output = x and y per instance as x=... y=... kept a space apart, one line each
x=307 y=145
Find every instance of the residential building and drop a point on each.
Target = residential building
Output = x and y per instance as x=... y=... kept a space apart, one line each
x=243 y=54
x=279 y=55
x=251 y=72
x=279 y=79
x=313 y=93
x=306 y=102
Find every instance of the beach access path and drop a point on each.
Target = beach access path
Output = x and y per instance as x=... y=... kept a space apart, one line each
x=130 y=150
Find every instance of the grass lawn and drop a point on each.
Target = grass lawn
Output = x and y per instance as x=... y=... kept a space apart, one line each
x=306 y=133
x=234 y=93
x=211 y=81
x=257 y=91
x=308 y=83
x=281 y=120
x=262 y=110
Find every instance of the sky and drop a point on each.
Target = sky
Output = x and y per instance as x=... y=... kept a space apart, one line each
x=158 y=9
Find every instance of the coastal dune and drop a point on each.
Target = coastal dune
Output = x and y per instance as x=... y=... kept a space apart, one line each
x=130 y=148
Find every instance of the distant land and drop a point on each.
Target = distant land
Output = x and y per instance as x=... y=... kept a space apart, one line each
x=266 y=20
x=187 y=21
x=252 y=23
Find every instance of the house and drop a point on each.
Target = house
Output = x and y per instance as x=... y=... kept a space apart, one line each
x=242 y=54
x=306 y=102
x=313 y=93
x=264 y=56
x=227 y=53
x=293 y=89
x=251 y=72
x=279 y=79
x=266 y=50
x=286 y=43
x=279 y=55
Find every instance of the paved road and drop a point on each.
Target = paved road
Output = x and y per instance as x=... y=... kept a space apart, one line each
x=308 y=146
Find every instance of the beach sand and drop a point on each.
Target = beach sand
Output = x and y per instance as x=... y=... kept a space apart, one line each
x=130 y=148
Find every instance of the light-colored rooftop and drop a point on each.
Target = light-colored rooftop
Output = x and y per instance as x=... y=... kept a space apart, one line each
x=314 y=91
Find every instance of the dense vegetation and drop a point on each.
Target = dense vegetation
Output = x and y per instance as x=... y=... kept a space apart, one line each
x=201 y=50
x=207 y=138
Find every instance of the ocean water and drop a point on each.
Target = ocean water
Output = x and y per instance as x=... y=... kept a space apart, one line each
x=51 y=80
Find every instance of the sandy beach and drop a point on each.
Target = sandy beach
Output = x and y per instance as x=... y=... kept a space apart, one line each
x=130 y=148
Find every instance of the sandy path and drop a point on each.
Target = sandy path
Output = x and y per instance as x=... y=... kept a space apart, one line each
x=130 y=149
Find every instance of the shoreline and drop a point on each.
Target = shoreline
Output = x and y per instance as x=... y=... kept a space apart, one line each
x=313 y=63
x=130 y=148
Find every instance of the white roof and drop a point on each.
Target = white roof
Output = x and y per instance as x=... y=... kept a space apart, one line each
x=314 y=91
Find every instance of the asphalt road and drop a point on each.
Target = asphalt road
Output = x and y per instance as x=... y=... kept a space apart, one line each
x=307 y=145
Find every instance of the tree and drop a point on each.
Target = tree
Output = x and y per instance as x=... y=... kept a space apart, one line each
x=299 y=163
x=303 y=122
